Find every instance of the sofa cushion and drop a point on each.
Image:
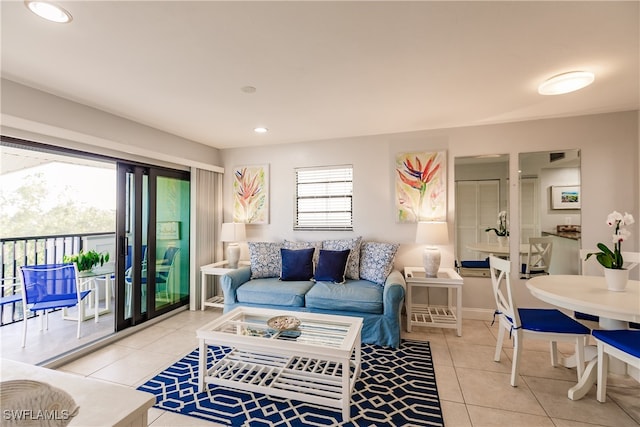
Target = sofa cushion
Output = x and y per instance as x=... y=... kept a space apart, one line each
x=273 y=292
x=265 y=259
x=331 y=266
x=376 y=261
x=297 y=264
x=353 y=265
x=353 y=296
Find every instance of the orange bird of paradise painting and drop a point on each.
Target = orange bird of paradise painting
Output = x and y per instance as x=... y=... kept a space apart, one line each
x=421 y=186
x=251 y=194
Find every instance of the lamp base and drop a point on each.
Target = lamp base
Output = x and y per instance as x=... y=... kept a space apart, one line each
x=431 y=261
x=233 y=255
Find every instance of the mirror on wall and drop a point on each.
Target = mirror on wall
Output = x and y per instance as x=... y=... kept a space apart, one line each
x=550 y=202
x=481 y=194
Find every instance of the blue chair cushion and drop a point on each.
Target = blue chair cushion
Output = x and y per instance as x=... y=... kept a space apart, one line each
x=550 y=320
x=475 y=264
x=332 y=266
x=360 y=296
x=297 y=264
x=585 y=316
x=532 y=270
x=591 y=317
x=625 y=340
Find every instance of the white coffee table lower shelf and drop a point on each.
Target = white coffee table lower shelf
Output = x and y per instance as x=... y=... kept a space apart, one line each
x=319 y=362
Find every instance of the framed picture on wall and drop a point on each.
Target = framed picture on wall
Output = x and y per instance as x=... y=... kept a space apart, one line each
x=168 y=230
x=565 y=197
x=421 y=186
x=251 y=194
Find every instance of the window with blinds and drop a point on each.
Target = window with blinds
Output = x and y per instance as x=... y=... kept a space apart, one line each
x=324 y=198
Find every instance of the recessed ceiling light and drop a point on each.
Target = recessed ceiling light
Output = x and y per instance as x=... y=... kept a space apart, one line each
x=261 y=130
x=49 y=11
x=566 y=82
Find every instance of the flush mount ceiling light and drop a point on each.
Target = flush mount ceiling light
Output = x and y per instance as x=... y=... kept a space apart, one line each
x=261 y=130
x=566 y=82
x=49 y=11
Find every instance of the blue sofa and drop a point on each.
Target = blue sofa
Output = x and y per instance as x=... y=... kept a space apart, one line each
x=378 y=305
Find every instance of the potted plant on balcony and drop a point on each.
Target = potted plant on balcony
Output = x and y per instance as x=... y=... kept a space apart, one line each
x=87 y=260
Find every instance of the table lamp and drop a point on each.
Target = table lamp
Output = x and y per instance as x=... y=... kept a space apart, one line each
x=233 y=232
x=432 y=233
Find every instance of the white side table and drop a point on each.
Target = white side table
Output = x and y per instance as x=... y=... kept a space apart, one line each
x=431 y=315
x=216 y=269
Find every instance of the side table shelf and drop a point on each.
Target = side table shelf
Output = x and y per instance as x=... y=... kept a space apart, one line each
x=434 y=315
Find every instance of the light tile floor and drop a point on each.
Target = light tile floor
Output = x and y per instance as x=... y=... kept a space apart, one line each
x=474 y=390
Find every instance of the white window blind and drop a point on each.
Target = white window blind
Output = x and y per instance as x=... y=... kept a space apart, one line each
x=324 y=198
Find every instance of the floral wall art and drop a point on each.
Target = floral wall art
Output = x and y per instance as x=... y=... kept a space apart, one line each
x=251 y=194
x=421 y=186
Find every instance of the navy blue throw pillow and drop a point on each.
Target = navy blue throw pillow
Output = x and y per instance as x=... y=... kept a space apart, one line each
x=296 y=264
x=331 y=266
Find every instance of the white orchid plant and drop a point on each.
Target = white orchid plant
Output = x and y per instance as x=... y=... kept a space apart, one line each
x=503 y=226
x=606 y=257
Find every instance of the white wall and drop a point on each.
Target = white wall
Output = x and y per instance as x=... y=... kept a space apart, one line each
x=608 y=144
x=609 y=151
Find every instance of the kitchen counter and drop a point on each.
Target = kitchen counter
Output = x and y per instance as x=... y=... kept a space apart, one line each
x=574 y=235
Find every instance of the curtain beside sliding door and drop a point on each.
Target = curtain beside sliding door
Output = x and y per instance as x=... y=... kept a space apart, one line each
x=207 y=211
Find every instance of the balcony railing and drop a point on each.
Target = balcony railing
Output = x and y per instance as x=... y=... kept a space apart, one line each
x=31 y=250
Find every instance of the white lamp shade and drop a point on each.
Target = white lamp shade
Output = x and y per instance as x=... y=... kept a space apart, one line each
x=233 y=232
x=432 y=233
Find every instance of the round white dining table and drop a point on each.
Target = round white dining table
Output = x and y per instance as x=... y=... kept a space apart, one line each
x=496 y=249
x=589 y=294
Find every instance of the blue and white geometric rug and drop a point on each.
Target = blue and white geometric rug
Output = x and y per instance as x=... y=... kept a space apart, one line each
x=397 y=387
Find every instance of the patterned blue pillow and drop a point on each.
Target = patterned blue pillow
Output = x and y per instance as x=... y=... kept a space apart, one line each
x=353 y=264
x=376 y=261
x=288 y=244
x=297 y=264
x=331 y=266
x=265 y=259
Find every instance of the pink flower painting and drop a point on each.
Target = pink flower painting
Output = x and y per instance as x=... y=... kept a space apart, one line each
x=250 y=194
x=421 y=183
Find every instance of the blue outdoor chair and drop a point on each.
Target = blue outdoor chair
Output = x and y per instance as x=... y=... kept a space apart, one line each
x=537 y=323
x=50 y=286
x=11 y=293
x=621 y=344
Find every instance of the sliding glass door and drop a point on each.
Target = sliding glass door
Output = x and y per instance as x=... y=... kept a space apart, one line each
x=153 y=238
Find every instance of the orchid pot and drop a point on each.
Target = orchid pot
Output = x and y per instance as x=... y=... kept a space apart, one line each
x=616 y=279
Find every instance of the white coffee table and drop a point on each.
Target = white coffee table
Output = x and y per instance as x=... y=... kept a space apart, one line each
x=318 y=362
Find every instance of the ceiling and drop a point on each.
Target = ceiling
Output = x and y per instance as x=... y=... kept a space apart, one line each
x=325 y=69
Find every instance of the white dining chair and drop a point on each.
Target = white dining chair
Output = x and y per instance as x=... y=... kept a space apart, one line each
x=538 y=256
x=534 y=323
x=621 y=344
